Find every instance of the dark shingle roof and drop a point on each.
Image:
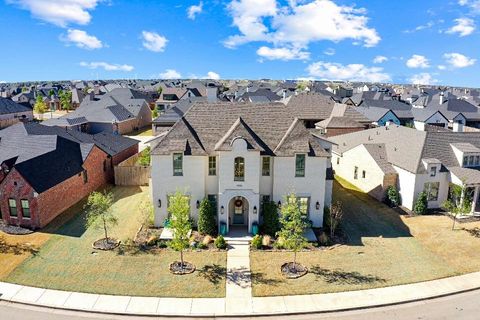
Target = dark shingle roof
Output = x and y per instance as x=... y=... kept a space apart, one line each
x=7 y=106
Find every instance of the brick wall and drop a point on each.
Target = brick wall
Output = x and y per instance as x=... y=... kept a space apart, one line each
x=332 y=132
x=49 y=204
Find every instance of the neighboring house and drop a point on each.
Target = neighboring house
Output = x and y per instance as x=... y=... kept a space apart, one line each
x=45 y=170
x=120 y=111
x=412 y=160
x=238 y=156
x=343 y=119
x=11 y=113
x=382 y=112
x=25 y=98
x=172 y=114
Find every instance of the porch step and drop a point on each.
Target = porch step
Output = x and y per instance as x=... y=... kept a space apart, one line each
x=236 y=241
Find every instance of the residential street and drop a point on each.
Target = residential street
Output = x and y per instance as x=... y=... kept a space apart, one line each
x=463 y=306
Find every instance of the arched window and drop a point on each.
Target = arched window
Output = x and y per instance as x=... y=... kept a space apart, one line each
x=239 y=169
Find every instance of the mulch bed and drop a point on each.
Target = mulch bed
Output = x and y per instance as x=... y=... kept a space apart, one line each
x=14 y=230
x=176 y=268
x=106 y=244
x=293 y=271
x=475 y=232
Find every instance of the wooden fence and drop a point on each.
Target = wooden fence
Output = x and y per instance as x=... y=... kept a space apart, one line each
x=129 y=173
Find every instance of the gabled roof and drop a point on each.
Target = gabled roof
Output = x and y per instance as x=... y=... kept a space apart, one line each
x=379 y=154
x=240 y=129
x=211 y=125
x=7 y=106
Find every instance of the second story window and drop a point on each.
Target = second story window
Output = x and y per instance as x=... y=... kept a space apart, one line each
x=265 y=166
x=300 y=165
x=239 y=169
x=433 y=171
x=178 y=164
x=212 y=166
x=12 y=204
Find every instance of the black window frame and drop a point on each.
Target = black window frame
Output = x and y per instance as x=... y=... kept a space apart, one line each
x=25 y=209
x=300 y=166
x=239 y=169
x=266 y=165
x=177 y=169
x=12 y=210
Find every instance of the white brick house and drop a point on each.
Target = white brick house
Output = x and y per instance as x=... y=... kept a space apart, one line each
x=239 y=155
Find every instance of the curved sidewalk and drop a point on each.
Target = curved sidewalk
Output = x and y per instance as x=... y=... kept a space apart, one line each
x=255 y=306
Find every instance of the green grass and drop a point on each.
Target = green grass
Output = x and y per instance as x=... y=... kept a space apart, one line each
x=381 y=251
x=68 y=262
x=145 y=132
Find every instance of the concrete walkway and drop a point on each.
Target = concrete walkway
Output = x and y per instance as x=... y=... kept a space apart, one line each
x=238 y=298
x=254 y=306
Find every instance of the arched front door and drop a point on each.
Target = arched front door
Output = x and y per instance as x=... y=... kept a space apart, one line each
x=238 y=211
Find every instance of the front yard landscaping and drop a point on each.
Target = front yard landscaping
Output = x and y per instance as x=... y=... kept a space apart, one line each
x=382 y=249
x=66 y=261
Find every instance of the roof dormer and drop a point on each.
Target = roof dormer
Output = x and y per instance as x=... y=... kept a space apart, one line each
x=467 y=154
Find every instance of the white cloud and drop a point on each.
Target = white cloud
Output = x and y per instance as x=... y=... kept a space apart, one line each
x=298 y=24
x=423 y=78
x=59 y=12
x=421 y=27
x=82 y=39
x=170 y=74
x=282 y=53
x=353 y=72
x=153 y=41
x=329 y=52
x=194 y=10
x=463 y=26
x=213 y=75
x=107 y=66
x=418 y=61
x=380 y=59
x=457 y=60
x=473 y=5
x=441 y=67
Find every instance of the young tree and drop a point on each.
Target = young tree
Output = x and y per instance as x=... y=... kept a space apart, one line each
x=271 y=223
x=458 y=204
x=51 y=93
x=336 y=216
x=179 y=209
x=154 y=113
x=206 y=218
x=40 y=106
x=99 y=211
x=144 y=159
x=293 y=224
x=65 y=99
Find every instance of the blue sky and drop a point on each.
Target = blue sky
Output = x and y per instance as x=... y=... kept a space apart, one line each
x=428 y=42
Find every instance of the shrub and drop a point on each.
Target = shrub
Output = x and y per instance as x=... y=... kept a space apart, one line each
x=323 y=239
x=202 y=246
x=421 y=205
x=220 y=242
x=206 y=218
x=162 y=244
x=393 y=197
x=257 y=242
x=266 y=241
x=271 y=223
x=336 y=216
x=279 y=244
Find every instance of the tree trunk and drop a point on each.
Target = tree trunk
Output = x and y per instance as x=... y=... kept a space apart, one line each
x=181 y=259
x=295 y=261
x=105 y=229
x=454 y=220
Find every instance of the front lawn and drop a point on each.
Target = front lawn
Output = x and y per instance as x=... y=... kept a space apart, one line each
x=68 y=262
x=383 y=249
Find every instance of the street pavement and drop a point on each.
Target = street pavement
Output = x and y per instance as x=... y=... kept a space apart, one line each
x=463 y=306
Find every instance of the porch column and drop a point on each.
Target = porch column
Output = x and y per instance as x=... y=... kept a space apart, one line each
x=475 y=198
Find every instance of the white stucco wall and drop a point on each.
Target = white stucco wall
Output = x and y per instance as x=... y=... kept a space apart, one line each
x=361 y=158
x=312 y=185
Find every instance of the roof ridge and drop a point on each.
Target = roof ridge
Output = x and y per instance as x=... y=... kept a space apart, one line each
x=287 y=134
